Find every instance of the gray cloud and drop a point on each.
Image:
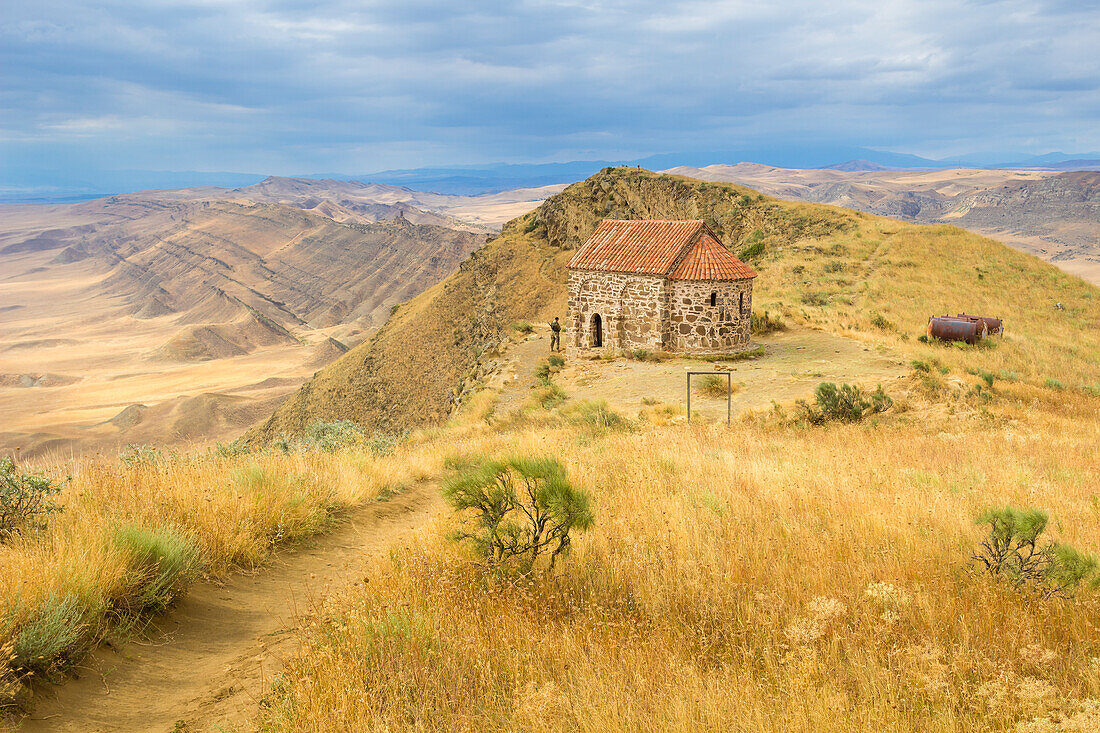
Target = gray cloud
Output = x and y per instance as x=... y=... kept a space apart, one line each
x=285 y=86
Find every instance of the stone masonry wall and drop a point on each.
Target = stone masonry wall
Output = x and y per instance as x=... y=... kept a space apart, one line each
x=697 y=326
x=657 y=314
x=632 y=309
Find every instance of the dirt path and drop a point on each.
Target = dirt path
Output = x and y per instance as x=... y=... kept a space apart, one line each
x=517 y=374
x=205 y=662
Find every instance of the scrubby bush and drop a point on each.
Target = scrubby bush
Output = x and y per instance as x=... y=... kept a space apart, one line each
x=549 y=396
x=334 y=435
x=711 y=385
x=53 y=635
x=1055 y=384
x=26 y=499
x=160 y=563
x=523 y=327
x=846 y=403
x=338 y=435
x=141 y=455
x=555 y=361
x=645 y=355
x=880 y=322
x=765 y=323
x=517 y=510
x=815 y=299
x=834 y=267
x=596 y=415
x=1013 y=552
x=752 y=251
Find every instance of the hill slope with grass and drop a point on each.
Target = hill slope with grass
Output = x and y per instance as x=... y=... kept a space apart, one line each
x=847 y=272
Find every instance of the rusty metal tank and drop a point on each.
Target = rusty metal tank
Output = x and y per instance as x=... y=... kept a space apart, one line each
x=992 y=325
x=948 y=328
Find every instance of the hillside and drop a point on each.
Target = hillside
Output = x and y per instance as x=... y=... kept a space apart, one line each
x=1055 y=216
x=138 y=300
x=820 y=266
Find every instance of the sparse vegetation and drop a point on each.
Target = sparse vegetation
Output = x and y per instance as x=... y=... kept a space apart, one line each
x=763 y=323
x=880 y=322
x=26 y=499
x=846 y=403
x=646 y=355
x=523 y=327
x=159 y=564
x=713 y=385
x=549 y=396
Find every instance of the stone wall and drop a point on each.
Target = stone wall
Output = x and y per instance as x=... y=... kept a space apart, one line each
x=632 y=310
x=697 y=326
x=654 y=313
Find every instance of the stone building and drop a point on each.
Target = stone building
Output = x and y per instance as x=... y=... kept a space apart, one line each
x=659 y=286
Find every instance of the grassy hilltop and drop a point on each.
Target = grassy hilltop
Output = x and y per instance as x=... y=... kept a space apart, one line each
x=769 y=575
x=821 y=266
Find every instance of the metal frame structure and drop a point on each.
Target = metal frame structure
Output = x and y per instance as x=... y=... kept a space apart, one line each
x=729 y=392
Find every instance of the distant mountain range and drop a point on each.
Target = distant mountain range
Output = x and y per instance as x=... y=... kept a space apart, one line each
x=59 y=186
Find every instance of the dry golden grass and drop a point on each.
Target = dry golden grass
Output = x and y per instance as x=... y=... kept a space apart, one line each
x=65 y=587
x=764 y=577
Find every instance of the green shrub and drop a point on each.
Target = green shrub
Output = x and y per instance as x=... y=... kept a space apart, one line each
x=1054 y=383
x=542 y=372
x=555 y=361
x=815 y=299
x=160 y=563
x=235 y=448
x=880 y=322
x=846 y=403
x=1014 y=553
x=752 y=251
x=517 y=510
x=26 y=499
x=834 y=267
x=53 y=636
x=761 y=324
x=523 y=327
x=987 y=377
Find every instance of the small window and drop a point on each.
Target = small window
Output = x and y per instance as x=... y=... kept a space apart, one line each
x=714 y=298
x=741 y=304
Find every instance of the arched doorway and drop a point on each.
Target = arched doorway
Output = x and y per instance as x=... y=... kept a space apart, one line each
x=597 y=331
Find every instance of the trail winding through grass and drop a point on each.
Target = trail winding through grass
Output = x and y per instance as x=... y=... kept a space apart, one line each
x=204 y=663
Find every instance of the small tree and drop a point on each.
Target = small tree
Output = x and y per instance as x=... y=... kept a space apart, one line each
x=1013 y=552
x=26 y=499
x=517 y=510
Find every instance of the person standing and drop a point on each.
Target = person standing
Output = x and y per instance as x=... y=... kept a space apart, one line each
x=555 y=335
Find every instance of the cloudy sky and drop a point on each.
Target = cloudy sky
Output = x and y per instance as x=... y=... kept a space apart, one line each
x=297 y=86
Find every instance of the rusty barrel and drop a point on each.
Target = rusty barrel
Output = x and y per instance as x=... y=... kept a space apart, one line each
x=947 y=328
x=992 y=325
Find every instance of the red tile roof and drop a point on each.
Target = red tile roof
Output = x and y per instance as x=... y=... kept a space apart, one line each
x=684 y=250
x=708 y=259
